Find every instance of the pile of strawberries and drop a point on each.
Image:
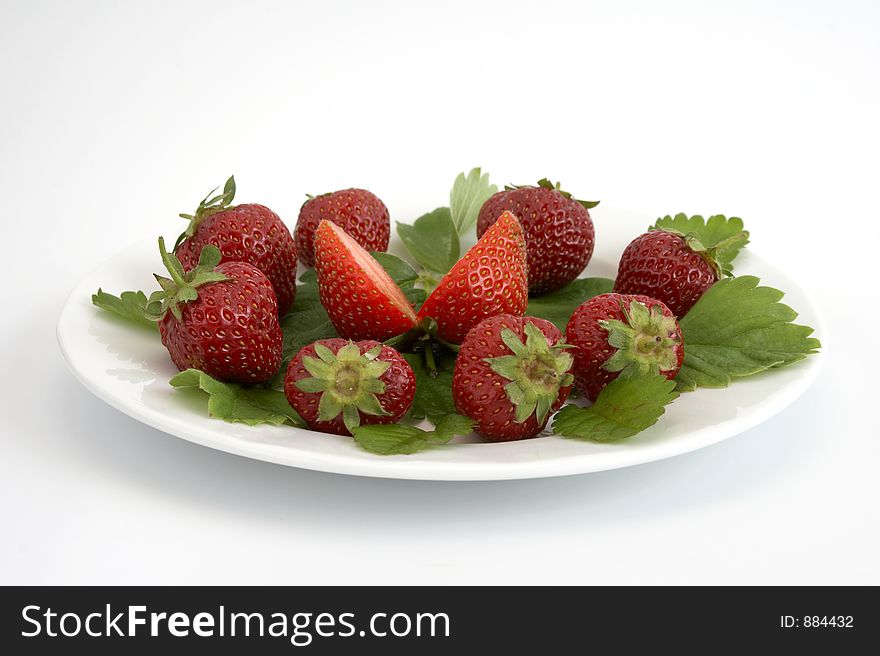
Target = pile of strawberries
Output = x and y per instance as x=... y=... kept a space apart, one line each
x=233 y=273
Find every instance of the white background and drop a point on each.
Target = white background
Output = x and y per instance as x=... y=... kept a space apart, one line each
x=115 y=116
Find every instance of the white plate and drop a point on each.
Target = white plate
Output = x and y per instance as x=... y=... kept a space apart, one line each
x=129 y=369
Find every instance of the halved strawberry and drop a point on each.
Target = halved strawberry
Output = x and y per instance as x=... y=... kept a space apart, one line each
x=490 y=279
x=362 y=300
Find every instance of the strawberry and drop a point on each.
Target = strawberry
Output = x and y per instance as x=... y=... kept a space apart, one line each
x=357 y=211
x=489 y=280
x=679 y=258
x=244 y=233
x=336 y=385
x=617 y=333
x=511 y=374
x=221 y=318
x=362 y=300
x=558 y=229
x=661 y=265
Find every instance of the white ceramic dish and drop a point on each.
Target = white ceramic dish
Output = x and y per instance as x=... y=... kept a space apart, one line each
x=129 y=369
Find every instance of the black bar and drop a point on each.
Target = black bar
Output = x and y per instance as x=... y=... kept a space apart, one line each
x=511 y=620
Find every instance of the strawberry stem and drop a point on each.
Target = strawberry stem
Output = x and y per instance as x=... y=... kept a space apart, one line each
x=430 y=363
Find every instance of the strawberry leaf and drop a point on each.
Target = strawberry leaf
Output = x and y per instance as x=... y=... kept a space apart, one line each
x=738 y=329
x=401 y=272
x=468 y=194
x=557 y=306
x=402 y=439
x=128 y=305
x=236 y=403
x=307 y=320
x=416 y=296
x=433 y=396
x=432 y=240
x=448 y=426
x=390 y=439
x=721 y=237
x=404 y=275
x=626 y=406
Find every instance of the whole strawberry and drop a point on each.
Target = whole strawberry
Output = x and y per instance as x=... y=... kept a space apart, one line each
x=357 y=211
x=219 y=318
x=558 y=231
x=244 y=233
x=362 y=300
x=512 y=373
x=490 y=279
x=616 y=333
x=336 y=385
x=680 y=258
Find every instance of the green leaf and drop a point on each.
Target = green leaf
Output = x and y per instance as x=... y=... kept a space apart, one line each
x=626 y=406
x=738 y=329
x=432 y=240
x=467 y=197
x=307 y=320
x=128 y=305
x=390 y=439
x=236 y=403
x=401 y=272
x=402 y=439
x=307 y=290
x=448 y=426
x=723 y=237
x=558 y=306
x=416 y=296
x=433 y=396
x=405 y=277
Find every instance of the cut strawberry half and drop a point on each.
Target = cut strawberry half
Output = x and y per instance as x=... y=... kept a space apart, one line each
x=490 y=279
x=362 y=300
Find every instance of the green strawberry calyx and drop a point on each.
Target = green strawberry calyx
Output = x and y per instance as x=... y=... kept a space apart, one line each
x=710 y=253
x=347 y=381
x=645 y=340
x=210 y=204
x=536 y=372
x=182 y=286
x=314 y=196
x=546 y=184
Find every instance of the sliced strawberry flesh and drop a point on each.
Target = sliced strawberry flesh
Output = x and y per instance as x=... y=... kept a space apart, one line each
x=374 y=271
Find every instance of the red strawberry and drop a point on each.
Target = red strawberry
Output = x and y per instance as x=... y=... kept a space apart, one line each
x=489 y=280
x=616 y=332
x=511 y=375
x=357 y=211
x=219 y=318
x=662 y=265
x=244 y=233
x=558 y=230
x=361 y=298
x=336 y=385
